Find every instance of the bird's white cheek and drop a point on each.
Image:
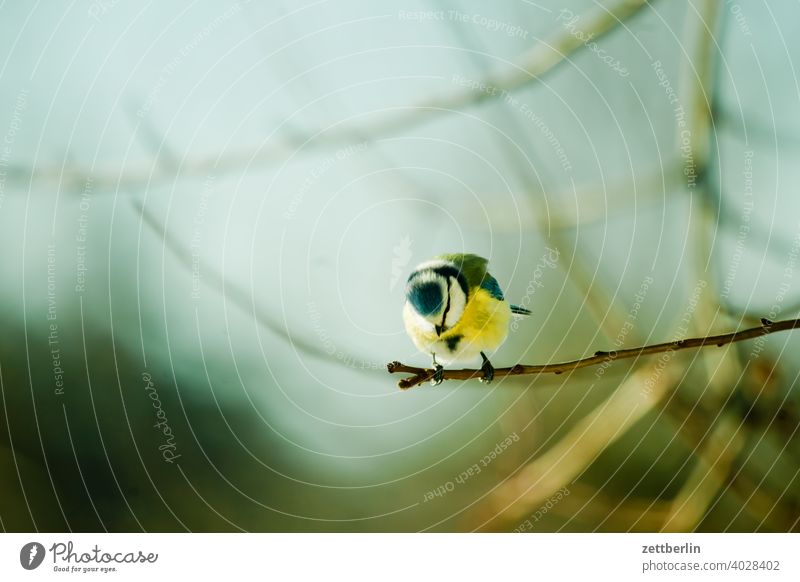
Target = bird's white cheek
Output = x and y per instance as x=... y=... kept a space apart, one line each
x=415 y=323
x=458 y=303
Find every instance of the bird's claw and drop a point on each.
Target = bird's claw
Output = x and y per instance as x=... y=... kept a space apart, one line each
x=438 y=375
x=488 y=372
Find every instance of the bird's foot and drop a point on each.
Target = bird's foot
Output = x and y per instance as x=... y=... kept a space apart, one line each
x=488 y=370
x=438 y=375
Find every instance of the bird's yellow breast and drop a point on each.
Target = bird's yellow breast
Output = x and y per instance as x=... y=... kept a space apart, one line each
x=483 y=327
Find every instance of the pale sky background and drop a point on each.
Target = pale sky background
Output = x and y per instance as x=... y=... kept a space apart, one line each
x=310 y=154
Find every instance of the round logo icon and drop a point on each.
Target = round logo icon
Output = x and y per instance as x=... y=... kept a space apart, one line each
x=31 y=555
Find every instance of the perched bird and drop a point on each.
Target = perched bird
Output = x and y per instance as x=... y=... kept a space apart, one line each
x=455 y=311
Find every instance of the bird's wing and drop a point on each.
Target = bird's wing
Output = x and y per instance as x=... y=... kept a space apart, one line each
x=493 y=287
x=474 y=270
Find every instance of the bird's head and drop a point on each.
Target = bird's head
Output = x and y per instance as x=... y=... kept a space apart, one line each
x=438 y=294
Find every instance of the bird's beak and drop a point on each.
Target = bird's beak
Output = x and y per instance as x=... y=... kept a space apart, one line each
x=438 y=329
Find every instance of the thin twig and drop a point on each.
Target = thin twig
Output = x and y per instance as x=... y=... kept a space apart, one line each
x=420 y=375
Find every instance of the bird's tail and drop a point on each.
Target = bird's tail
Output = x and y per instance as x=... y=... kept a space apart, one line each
x=520 y=310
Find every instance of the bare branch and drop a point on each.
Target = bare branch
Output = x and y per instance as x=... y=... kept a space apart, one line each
x=420 y=375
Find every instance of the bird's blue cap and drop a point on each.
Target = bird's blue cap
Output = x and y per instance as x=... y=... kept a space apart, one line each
x=426 y=298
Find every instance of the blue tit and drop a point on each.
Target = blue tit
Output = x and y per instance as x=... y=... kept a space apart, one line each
x=455 y=311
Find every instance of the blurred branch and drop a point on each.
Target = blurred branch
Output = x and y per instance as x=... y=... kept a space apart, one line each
x=594 y=510
x=571 y=207
x=599 y=301
x=710 y=476
x=231 y=292
x=699 y=79
x=743 y=484
x=420 y=375
x=567 y=460
x=529 y=67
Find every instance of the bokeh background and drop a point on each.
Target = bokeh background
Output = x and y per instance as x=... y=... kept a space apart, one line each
x=208 y=211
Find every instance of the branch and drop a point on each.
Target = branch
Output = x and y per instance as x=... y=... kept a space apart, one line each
x=420 y=375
